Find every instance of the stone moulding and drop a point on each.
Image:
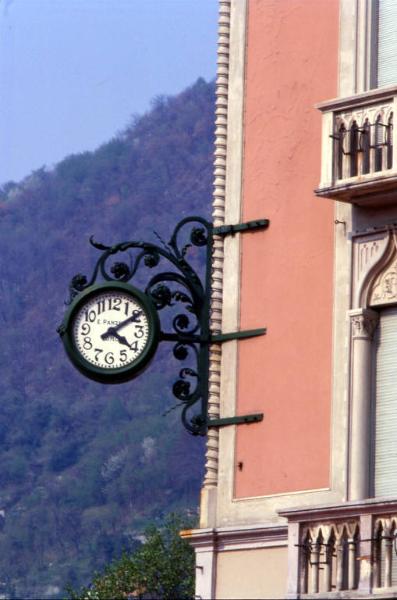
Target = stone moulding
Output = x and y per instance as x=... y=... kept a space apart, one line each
x=221 y=103
x=222 y=539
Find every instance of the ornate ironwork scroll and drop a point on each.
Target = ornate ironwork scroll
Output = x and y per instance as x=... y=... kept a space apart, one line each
x=176 y=286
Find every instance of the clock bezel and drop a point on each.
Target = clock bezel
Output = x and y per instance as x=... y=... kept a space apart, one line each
x=119 y=374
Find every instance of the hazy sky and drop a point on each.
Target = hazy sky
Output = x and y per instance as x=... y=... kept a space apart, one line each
x=72 y=72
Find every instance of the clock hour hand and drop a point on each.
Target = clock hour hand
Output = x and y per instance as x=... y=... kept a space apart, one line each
x=111 y=332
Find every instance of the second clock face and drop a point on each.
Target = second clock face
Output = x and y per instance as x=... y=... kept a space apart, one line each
x=111 y=329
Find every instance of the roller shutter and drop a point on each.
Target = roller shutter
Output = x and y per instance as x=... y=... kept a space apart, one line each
x=385 y=451
x=387 y=42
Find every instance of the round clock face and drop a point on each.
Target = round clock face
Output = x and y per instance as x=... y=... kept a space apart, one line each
x=111 y=332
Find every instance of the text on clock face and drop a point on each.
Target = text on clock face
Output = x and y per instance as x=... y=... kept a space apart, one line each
x=111 y=331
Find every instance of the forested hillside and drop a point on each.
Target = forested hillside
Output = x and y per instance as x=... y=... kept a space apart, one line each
x=84 y=466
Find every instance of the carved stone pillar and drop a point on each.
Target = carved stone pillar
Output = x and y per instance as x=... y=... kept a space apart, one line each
x=368 y=559
x=363 y=324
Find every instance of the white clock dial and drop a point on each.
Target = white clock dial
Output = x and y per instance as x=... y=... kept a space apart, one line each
x=111 y=330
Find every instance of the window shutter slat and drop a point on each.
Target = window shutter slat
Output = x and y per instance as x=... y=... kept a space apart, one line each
x=386 y=405
x=387 y=43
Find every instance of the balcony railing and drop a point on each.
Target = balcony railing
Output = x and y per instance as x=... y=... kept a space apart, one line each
x=345 y=551
x=358 y=161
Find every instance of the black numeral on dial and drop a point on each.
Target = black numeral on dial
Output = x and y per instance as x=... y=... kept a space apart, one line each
x=97 y=353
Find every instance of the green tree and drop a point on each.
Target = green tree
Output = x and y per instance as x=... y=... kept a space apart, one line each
x=162 y=567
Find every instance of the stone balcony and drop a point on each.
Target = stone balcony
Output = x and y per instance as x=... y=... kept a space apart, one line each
x=358 y=162
x=347 y=550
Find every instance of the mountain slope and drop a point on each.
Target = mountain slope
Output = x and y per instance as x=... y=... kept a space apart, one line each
x=85 y=466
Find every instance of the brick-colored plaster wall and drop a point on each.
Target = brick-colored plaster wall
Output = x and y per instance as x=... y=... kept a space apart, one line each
x=286 y=272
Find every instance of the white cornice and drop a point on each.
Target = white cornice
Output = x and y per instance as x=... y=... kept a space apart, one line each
x=344 y=103
x=248 y=537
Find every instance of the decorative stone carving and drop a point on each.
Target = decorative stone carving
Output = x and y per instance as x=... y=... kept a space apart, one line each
x=368 y=251
x=384 y=288
x=329 y=547
x=218 y=213
x=364 y=322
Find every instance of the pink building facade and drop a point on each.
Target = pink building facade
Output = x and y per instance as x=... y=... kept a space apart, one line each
x=304 y=503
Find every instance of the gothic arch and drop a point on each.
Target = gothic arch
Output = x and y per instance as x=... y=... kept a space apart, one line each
x=378 y=285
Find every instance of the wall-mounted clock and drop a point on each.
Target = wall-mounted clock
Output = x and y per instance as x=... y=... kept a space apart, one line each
x=111 y=332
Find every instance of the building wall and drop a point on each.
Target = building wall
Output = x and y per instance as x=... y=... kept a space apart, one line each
x=282 y=59
x=318 y=279
x=252 y=573
x=286 y=281
x=286 y=272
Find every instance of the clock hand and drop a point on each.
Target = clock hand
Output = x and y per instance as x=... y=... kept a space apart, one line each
x=112 y=330
x=121 y=339
x=135 y=316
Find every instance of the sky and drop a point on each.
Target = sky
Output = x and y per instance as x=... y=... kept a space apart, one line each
x=74 y=72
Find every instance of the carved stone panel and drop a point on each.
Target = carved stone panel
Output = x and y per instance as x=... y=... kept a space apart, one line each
x=375 y=268
x=367 y=251
x=384 y=288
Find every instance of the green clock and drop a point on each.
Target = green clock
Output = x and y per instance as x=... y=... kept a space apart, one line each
x=110 y=332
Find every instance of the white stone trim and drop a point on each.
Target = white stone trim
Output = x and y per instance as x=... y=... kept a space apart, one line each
x=231 y=273
x=226 y=539
x=373 y=253
x=341 y=349
x=345 y=103
x=357 y=47
x=226 y=274
x=208 y=494
x=251 y=538
x=363 y=324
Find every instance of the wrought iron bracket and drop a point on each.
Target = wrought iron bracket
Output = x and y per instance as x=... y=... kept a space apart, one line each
x=236 y=335
x=218 y=338
x=241 y=227
x=181 y=291
x=239 y=420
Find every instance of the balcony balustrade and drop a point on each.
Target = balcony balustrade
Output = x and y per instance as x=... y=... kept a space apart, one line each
x=343 y=551
x=358 y=137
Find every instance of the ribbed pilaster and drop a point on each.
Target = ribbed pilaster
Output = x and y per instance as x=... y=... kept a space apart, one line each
x=211 y=476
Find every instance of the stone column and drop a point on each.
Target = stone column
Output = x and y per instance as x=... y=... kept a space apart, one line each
x=366 y=554
x=295 y=561
x=363 y=324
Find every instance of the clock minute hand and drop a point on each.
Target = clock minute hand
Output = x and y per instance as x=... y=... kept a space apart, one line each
x=135 y=316
x=112 y=331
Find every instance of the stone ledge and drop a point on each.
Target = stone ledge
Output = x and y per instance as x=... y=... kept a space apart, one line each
x=355 y=508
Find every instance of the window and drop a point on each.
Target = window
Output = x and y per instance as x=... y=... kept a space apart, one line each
x=387 y=42
x=385 y=426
